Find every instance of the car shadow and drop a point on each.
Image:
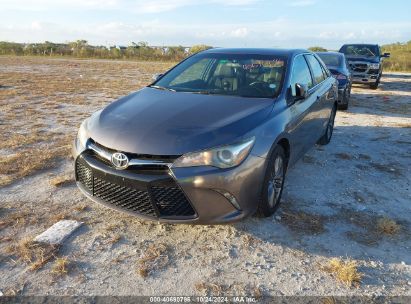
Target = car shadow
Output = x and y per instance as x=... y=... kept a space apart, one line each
x=337 y=197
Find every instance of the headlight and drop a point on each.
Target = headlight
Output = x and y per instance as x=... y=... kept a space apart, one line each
x=374 y=66
x=82 y=135
x=221 y=157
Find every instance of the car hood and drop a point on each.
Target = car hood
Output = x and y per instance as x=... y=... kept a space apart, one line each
x=158 y=122
x=363 y=58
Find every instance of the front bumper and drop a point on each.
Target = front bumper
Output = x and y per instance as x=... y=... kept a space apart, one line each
x=195 y=195
x=364 y=78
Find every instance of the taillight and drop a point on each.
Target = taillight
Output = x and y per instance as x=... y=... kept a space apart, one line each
x=340 y=77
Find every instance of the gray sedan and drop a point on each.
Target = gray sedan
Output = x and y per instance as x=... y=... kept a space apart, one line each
x=210 y=140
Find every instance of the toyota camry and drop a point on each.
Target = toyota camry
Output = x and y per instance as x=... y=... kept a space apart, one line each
x=210 y=140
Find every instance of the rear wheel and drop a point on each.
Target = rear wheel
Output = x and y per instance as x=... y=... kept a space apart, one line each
x=273 y=183
x=326 y=138
x=346 y=98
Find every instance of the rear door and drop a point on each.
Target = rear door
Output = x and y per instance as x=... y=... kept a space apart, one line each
x=301 y=111
x=324 y=93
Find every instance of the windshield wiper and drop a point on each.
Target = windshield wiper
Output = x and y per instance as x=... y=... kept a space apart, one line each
x=202 y=92
x=161 y=88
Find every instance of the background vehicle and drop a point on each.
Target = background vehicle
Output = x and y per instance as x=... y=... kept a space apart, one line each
x=210 y=141
x=338 y=66
x=365 y=62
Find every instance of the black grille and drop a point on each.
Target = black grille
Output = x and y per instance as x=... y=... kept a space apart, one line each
x=124 y=197
x=373 y=71
x=85 y=176
x=359 y=67
x=164 y=199
x=171 y=201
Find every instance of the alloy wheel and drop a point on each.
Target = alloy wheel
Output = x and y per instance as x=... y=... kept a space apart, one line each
x=275 y=183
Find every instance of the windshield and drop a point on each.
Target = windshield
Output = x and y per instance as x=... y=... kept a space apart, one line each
x=246 y=75
x=331 y=59
x=360 y=50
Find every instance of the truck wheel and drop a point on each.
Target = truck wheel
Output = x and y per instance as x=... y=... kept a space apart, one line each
x=374 y=86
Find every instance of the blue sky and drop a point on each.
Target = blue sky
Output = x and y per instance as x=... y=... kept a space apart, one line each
x=226 y=23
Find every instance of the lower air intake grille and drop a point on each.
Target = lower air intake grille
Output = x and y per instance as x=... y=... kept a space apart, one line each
x=171 y=201
x=166 y=200
x=124 y=197
x=84 y=176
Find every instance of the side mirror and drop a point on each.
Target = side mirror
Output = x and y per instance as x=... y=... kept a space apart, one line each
x=301 y=91
x=156 y=76
x=386 y=55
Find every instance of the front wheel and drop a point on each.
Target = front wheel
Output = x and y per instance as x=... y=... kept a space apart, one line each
x=273 y=183
x=374 y=86
x=326 y=138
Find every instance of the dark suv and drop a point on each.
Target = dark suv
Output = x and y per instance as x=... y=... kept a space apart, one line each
x=365 y=61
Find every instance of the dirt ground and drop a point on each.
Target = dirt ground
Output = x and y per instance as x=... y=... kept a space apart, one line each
x=349 y=200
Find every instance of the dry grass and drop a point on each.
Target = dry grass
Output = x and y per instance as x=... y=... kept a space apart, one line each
x=344 y=156
x=45 y=100
x=388 y=226
x=387 y=168
x=114 y=239
x=155 y=257
x=373 y=228
x=344 y=271
x=60 y=266
x=210 y=289
x=61 y=181
x=17 y=219
x=58 y=217
x=81 y=207
x=234 y=289
x=303 y=222
x=250 y=241
x=35 y=255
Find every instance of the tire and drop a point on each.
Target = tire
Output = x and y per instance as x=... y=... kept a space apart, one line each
x=273 y=183
x=374 y=86
x=326 y=138
x=344 y=105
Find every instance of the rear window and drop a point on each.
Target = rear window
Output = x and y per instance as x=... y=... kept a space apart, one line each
x=331 y=59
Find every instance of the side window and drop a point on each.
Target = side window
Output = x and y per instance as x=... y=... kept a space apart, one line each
x=325 y=72
x=316 y=68
x=300 y=74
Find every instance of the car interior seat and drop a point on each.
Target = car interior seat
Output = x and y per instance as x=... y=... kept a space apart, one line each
x=226 y=78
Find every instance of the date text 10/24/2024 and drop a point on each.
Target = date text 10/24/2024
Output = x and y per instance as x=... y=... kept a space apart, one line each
x=203 y=299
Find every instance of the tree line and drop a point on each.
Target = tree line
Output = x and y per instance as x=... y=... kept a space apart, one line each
x=82 y=49
x=400 y=59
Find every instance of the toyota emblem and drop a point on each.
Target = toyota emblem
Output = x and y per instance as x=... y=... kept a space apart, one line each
x=119 y=160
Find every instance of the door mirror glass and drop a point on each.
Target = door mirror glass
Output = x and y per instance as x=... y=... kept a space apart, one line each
x=301 y=91
x=386 y=55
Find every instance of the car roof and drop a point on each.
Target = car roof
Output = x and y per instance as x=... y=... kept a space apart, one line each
x=330 y=53
x=257 y=51
x=356 y=44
